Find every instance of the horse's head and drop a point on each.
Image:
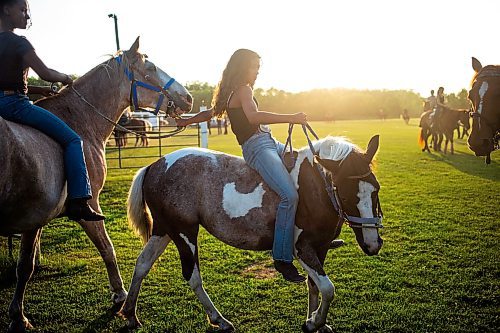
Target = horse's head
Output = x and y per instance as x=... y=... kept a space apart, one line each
x=485 y=98
x=355 y=188
x=464 y=118
x=151 y=86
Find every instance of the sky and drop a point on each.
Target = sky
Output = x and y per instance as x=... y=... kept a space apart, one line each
x=307 y=44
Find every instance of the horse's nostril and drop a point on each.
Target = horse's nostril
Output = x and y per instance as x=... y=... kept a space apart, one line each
x=189 y=99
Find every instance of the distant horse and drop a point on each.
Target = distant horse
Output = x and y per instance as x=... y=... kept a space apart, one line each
x=236 y=206
x=464 y=123
x=447 y=124
x=406 y=116
x=485 y=98
x=141 y=126
x=426 y=130
x=32 y=181
x=443 y=127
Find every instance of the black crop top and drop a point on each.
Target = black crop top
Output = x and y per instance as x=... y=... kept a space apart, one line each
x=240 y=125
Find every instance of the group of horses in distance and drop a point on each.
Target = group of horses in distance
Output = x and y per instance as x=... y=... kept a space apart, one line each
x=442 y=128
x=484 y=96
x=333 y=177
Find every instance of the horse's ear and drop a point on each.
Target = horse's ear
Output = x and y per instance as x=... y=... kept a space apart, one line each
x=372 y=147
x=135 y=47
x=476 y=65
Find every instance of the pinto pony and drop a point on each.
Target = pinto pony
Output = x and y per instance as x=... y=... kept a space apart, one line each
x=335 y=185
x=485 y=98
x=32 y=181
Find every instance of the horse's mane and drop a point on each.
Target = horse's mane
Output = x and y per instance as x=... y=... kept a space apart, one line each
x=493 y=70
x=335 y=148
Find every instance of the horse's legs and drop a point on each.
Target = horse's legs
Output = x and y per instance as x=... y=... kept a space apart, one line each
x=312 y=263
x=25 y=267
x=96 y=231
x=188 y=251
x=153 y=249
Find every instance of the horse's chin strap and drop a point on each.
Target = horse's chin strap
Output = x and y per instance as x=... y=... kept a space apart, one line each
x=352 y=221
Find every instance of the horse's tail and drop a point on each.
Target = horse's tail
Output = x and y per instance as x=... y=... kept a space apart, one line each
x=421 y=139
x=139 y=216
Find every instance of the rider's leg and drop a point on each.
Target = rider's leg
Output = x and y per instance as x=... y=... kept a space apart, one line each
x=79 y=190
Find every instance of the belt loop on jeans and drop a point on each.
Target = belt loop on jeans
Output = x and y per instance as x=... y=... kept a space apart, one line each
x=9 y=92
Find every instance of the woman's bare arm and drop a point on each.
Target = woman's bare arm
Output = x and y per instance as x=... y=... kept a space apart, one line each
x=257 y=117
x=45 y=73
x=200 y=117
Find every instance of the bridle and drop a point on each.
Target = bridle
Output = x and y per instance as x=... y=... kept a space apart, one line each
x=332 y=190
x=134 y=104
x=162 y=91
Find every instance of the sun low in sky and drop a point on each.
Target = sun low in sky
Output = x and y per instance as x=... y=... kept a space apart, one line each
x=361 y=44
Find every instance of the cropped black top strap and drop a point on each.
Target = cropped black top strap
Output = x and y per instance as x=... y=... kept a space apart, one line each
x=240 y=125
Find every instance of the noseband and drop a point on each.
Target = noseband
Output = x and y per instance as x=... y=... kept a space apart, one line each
x=134 y=103
x=333 y=194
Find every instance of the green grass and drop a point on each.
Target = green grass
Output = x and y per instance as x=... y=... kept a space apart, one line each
x=439 y=269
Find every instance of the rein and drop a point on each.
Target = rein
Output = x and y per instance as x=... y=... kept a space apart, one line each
x=331 y=188
x=133 y=99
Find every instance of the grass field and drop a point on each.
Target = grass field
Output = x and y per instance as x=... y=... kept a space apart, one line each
x=439 y=269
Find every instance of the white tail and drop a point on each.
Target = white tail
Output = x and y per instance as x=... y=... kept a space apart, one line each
x=139 y=216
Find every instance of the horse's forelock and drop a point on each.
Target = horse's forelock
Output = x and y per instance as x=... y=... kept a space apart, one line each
x=334 y=148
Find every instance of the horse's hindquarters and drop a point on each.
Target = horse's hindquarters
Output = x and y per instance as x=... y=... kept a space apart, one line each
x=219 y=192
x=31 y=178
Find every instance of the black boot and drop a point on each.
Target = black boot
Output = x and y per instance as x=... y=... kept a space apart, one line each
x=289 y=271
x=336 y=243
x=79 y=209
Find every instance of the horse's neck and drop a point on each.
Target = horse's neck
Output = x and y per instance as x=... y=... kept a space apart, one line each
x=80 y=106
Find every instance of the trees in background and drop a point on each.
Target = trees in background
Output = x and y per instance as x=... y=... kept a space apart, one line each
x=327 y=104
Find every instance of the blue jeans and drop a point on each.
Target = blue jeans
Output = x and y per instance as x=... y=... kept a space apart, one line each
x=262 y=153
x=18 y=109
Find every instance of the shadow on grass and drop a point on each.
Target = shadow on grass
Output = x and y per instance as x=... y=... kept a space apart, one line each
x=468 y=164
x=101 y=323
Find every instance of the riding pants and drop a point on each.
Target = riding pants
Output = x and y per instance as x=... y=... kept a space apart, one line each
x=17 y=108
x=262 y=153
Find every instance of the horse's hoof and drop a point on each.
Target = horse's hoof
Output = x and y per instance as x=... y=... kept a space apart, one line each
x=325 y=329
x=19 y=326
x=305 y=329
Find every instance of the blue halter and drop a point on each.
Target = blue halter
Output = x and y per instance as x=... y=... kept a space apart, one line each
x=135 y=83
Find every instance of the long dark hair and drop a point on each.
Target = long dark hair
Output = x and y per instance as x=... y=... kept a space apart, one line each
x=234 y=75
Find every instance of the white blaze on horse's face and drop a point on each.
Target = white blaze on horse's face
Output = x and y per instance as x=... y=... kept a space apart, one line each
x=482 y=92
x=238 y=204
x=365 y=207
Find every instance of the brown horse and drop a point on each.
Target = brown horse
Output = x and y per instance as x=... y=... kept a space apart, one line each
x=485 y=98
x=237 y=207
x=444 y=126
x=464 y=123
x=425 y=130
x=140 y=126
x=32 y=182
